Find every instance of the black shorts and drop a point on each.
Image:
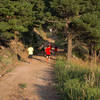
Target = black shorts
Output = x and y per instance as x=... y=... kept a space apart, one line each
x=48 y=55
x=30 y=56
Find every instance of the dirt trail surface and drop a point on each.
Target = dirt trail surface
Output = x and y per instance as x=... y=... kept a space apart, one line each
x=32 y=81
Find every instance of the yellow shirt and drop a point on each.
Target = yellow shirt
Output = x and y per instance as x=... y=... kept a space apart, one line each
x=30 y=50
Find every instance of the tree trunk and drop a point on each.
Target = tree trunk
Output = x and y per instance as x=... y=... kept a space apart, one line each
x=69 y=40
x=91 y=54
x=69 y=54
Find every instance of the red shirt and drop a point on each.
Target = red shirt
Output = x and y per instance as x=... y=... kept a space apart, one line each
x=47 y=50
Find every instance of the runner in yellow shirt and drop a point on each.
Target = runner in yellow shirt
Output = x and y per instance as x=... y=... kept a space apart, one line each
x=30 y=52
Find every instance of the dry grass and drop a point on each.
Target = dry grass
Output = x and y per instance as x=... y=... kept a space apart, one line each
x=86 y=64
x=79 y=62
x=7 y=59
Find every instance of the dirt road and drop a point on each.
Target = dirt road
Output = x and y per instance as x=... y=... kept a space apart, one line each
x=32 y=81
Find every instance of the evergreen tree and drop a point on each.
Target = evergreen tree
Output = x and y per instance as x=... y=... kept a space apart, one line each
x=70 y=10
x=92 y=24
x=15 y=17
x=88 y=26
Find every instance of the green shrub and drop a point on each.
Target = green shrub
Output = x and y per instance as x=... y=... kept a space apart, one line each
x=76 y=90
x=22 y=85
x=75 y=82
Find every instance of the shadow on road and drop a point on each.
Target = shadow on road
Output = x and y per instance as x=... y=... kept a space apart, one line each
x=46 y=92
x=45 y=86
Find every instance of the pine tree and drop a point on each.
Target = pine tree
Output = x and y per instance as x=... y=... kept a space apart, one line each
x=71 y=11
x=88 y=26
x=92 y=23
x=15 y=17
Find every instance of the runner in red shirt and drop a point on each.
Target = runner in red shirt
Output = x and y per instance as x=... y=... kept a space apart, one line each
x=48 y=52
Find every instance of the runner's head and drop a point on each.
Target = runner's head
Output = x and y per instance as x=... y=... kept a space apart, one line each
x=47 y=46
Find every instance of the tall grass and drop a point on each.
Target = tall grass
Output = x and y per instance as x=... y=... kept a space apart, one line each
x=77 y=82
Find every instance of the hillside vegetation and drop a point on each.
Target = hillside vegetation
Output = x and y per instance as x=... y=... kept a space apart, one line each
x=9 y=56
x=77 y=82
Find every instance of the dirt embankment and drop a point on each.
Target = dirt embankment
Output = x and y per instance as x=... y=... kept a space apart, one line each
x=9 y=56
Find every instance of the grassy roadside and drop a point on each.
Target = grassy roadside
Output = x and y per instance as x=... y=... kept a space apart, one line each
x=77 y=82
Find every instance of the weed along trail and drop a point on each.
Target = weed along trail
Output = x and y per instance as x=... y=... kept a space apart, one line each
x=32 y=81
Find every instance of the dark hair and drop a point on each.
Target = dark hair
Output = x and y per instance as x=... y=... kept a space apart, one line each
x=47 y=45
